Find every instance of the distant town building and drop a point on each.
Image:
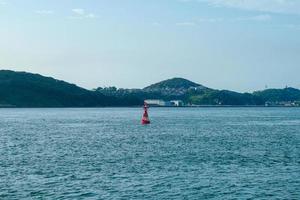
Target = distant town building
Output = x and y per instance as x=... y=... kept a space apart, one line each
x=160 y=102
x=155 y=102
x=177 y=103
x=283 y=103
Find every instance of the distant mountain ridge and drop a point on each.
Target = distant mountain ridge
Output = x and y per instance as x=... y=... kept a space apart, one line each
x=22 y=89
x=174 y=87
x=196 y=94
x=174 y=83
x=277 y=95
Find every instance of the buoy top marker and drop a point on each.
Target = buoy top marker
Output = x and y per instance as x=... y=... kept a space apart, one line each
x=145 y=118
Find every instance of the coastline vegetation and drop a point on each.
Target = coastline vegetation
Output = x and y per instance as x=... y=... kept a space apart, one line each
x=22 y=89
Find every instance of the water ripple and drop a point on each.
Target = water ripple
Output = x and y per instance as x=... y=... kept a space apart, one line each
x=200 y=153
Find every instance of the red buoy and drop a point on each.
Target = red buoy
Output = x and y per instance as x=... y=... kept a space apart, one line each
x=145 y=118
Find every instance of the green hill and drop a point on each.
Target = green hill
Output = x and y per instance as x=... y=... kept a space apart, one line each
x=21 y=89
x=175 y=88
x=174 y=83
x=225 y=97
x=277 y=95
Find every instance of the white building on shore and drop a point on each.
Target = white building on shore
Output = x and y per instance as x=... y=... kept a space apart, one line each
x=155 y=102
x=160 y=102
x=177 y=103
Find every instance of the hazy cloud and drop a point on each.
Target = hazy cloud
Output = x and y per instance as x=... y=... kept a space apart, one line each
x=275 y=6
x=3 y=2
x=156 y=24
x=185 y=24
x=90 y=15
x=260 y=18
x=212 y=20
x=44 y=12
x=292 y=26
x=79 y=13
x=256 y=18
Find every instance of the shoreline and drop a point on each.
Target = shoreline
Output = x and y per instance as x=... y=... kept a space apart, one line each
x=198 y=106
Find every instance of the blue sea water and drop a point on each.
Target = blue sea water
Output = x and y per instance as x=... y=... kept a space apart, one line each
x=186 y=153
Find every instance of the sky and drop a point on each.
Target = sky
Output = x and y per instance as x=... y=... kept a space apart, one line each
x=241 y=45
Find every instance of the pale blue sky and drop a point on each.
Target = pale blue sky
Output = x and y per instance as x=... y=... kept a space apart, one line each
x=240 y=45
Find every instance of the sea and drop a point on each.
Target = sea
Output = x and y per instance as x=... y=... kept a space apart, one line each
x=185 y=153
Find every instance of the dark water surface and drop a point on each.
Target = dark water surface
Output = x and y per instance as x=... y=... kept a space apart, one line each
x=186 y=153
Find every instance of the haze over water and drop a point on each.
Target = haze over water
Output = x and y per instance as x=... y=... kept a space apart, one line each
x=186 y=153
